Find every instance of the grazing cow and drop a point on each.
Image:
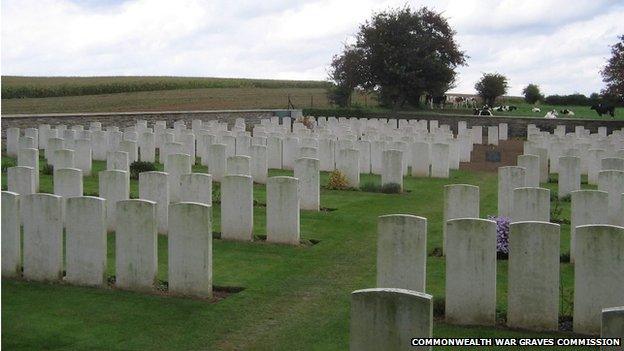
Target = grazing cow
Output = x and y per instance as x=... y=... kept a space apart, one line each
x=565 y=111
x=604 y=109
x=505 y=108
x=436 y=101
x=484 y=111
x=536 y=109
x=551 y=114
x=471 y=102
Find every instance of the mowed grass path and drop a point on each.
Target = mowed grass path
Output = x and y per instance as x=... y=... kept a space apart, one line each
x=295 y=298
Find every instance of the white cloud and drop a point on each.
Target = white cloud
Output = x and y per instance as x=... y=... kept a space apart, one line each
x=559 y=45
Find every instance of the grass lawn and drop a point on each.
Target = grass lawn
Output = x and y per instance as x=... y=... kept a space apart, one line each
x=294 y=298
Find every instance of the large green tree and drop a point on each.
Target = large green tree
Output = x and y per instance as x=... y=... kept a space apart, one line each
x=613 y=72
x=532 y=94
x=491 y=86
x=346 y=74
x=404 y=54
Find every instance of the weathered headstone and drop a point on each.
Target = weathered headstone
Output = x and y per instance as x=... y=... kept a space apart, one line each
x=43 y=237
x=11 y=235
x=237 y=207
x=509 y=178
x=613 y=183
x=21 y=180
x=530 y=204
x=177 y=164
x=531 y=164
x=392 y=170
x=569 y=175
x=154 y=186
x=196 y=187
x=113 y=187
x=307 y=171
x=588 y=207
x=217 y=161
x=460 y=201
x=259 y=167
x=282 y=210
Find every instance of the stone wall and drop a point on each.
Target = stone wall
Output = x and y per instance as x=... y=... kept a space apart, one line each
x=127 y=119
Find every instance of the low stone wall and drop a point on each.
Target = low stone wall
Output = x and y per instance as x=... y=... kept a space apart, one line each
x=126 y=119
x=517 y=125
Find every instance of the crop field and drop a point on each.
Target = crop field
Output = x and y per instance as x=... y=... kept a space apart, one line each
x=294 y=298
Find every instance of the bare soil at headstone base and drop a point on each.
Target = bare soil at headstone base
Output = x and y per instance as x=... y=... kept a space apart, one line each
x=509 y=150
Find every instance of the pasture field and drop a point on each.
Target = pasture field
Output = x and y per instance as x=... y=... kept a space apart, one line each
x=37 y=87
x=294 y=298
x=177 y=100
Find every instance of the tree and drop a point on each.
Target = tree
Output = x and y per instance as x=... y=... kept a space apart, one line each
x=346 y=73
x=613 y=72
x=491 y=86
x=404 y=53
x=532 y=94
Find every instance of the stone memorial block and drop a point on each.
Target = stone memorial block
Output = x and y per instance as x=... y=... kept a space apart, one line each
x=502 y=131
x=477 y=134
x=283 y=210
x=237 y=207
x=190 y=249
x=377 y=149
x=509 y=178
x=118 y=160
x=188 y=142
x=291 y=145
x=230 y=144
x=83 y=156
x=217 y=161
x=307 y=171
x=136 y=245
x=533 y=276
x=176 y=165
x=114 y=186
x=196 y=187
x=492 y=135
x=67 y=183
x=43 y=237
x=588 y=207
x=309 y=152
x=392 y=170
x=598 y=274
x=258 y=166
x=364 y=147
x=85 y=243
x=531 y=164
x=470 y=271
x=439 y=160
x=348 y=163
x=460 y=201
x=239 y=164
x=420 y=159
x=612 y=163
x=147 y=147
x=243 y=143
x=99 y=144
x=63 y=158
x=594 y=165
x=401 y=252
x=21 y=180
x=154 y=186
x=131 y=148
x=388 y=319
x=25 y=143
x=53 y=145
x=530 y=204
x=11 y=235
x=612 y=325
x=613 y=183
x=30 y=158
x=12 y=141
x=274 y=152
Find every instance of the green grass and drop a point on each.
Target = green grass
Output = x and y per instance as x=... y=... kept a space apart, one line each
x=295 y=298
x=37 y=87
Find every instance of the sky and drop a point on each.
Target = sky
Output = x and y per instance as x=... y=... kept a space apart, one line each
x=561 y=45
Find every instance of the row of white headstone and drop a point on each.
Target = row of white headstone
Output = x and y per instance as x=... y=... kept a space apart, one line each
x=399 y=303
x=344 y=144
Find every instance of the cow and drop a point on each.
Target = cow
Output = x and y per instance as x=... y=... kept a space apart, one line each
x=565 y=111
x=484 y=111
x=551 y=114
x=603 y=109
x=436 y=101
x=536 y=109
x=505 y=108
x=471 y=102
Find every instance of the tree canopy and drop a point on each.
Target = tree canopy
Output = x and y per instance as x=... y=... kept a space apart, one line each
x=532 y=94
x=613 y=72
x=491 y=86
x=402 y=54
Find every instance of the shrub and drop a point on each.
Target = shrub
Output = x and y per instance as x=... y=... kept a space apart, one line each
x=502 y=234
x=6 y=164
x=391 y=188
x=47 y=169
x=337 y=181
x=140 y=167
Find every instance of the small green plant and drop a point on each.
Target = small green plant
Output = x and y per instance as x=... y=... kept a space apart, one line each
x=47 y=169
x=337 y=181
x=140 y=167
x=216 y=195
x=6 y=164
x=391 y=188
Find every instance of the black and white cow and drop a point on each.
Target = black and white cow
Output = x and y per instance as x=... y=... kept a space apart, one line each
x=604 y=109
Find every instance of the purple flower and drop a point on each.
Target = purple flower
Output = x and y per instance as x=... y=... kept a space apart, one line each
x=502 y=233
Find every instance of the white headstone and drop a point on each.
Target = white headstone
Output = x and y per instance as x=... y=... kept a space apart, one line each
x=11 y=235
x=282 y=210
x=509 y=178
x=460 y=201
x=530 y=204
x=113 y=187
x=307 y=171
x=43 y=237
x=196 y=187
x=154 y=186
x=237 y=207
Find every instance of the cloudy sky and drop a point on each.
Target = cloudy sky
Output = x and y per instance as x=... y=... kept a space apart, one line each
x=560 y=44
